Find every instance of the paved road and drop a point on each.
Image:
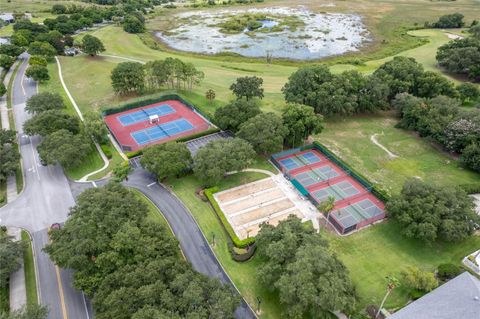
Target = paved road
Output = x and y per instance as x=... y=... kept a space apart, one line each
x=193 y=243
x=46 y=199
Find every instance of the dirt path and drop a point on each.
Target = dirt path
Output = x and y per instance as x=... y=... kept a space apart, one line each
x=374 y=140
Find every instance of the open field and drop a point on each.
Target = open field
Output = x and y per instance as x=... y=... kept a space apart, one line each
x=350 y=139
x=380 y=250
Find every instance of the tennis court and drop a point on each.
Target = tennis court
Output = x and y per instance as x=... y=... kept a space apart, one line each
x=316 y=175
x=297 y=161
x=144 y=114
x=159 y=122
x=340 y=191
x=161 y=131
x=351 y=216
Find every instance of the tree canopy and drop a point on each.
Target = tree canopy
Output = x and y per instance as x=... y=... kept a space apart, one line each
x=297 y=264
x=44 y=49
x=167 y=160
x=9 y=155
x=95 y=127
x=50 y=121
x=92 y=45
x=461 y=56
x=44 y=101
x=30 y=311
x=38 y=73
x=265 y=132
x=230 y=116
x=300 y=121
x=128 y=77
x=248 y=87
x=131 y=267
x=64 y=147
x=429 y=213
x=447 y=21
x=222 y=156
x=11 y=256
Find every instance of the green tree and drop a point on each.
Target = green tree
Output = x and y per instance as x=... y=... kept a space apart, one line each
x=37 y=60
x=218 y=157
x=461 y=56
x=248 y=87
x=9 y=155
x=51 y=121
x=471 y=156
x=468 y=91
x=30 y=311
x=454 y=20
x=265 y=132
x=418 y=279
x=92 y=45
x=475 y=31
x=11 y=50
x=167 y=160
x=400 y=74
x=95 y=127
x=38 y=73
x=132 y=24
x=428 y=212
x=44 y=49
x=128 y=77
x=44 y=101
x=6 y=61
x=431 y=84
x=11 y=256
x=64 y=147
x=230 y=116
x=300 y=121
x=210 y=95
x=121 y=171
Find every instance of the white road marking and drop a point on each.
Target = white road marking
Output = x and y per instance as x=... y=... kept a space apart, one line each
x=94 y=184
x=151 y=184
x=21 y=84
x=84 y=300
x=33 y=154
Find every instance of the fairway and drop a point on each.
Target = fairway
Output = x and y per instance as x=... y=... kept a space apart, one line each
x=351 y=140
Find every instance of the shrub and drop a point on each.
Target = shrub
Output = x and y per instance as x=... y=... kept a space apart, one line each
x=106 y=150
x=448 y=271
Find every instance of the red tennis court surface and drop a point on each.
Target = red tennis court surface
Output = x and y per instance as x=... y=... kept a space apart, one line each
x=319 y=178
x=133 y=129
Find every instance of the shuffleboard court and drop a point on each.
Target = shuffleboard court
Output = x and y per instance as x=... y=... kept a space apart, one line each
x=161 y=131
x=144 y=114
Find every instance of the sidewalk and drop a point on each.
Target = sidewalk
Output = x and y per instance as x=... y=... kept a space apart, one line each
x=11 y=181
x=18 y=292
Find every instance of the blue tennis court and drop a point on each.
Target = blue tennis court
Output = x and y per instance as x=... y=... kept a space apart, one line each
x=290 y=163
x=161 y=131
x=144 y=114
x=311 y=157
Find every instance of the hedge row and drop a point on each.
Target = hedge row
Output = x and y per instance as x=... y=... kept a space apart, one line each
x=374 y=189
x=471 y=188
x=146 y=102
x=226 y=225
x=180 y=140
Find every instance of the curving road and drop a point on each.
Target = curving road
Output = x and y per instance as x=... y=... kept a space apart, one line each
x=194 y=245
x=45 y=199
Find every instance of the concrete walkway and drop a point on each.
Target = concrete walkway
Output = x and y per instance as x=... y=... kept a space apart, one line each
x=18 y=292
x=4 y=111
x=80 y=115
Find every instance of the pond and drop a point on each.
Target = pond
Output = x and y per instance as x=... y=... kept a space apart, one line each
x=279 y=32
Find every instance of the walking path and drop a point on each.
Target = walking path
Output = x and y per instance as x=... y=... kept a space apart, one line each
x=18 y=291
x=80 y=115
x=374 y=140
x=4 y=112
x=254 y=170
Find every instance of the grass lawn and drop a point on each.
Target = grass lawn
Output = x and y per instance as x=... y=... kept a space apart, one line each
x=91 y=163
x=30 y=281
x=380 y=250
x=242 y=274
x=113 y=162
x=350 y=139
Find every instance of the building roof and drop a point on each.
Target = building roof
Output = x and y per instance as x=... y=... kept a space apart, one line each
x=459 y=298
x=6 y=16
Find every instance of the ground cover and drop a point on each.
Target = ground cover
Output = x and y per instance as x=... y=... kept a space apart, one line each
x=351 y=140
x=242 y=274
x=380 y=251
x=29 y=269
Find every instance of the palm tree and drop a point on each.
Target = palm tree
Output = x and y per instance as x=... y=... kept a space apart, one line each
x=392 y=284
x=327 y=206
x=210 y=95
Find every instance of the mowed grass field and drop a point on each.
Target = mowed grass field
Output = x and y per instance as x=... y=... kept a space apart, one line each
x=351 y=140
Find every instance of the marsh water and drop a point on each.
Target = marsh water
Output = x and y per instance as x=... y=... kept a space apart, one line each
x=320 y=35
